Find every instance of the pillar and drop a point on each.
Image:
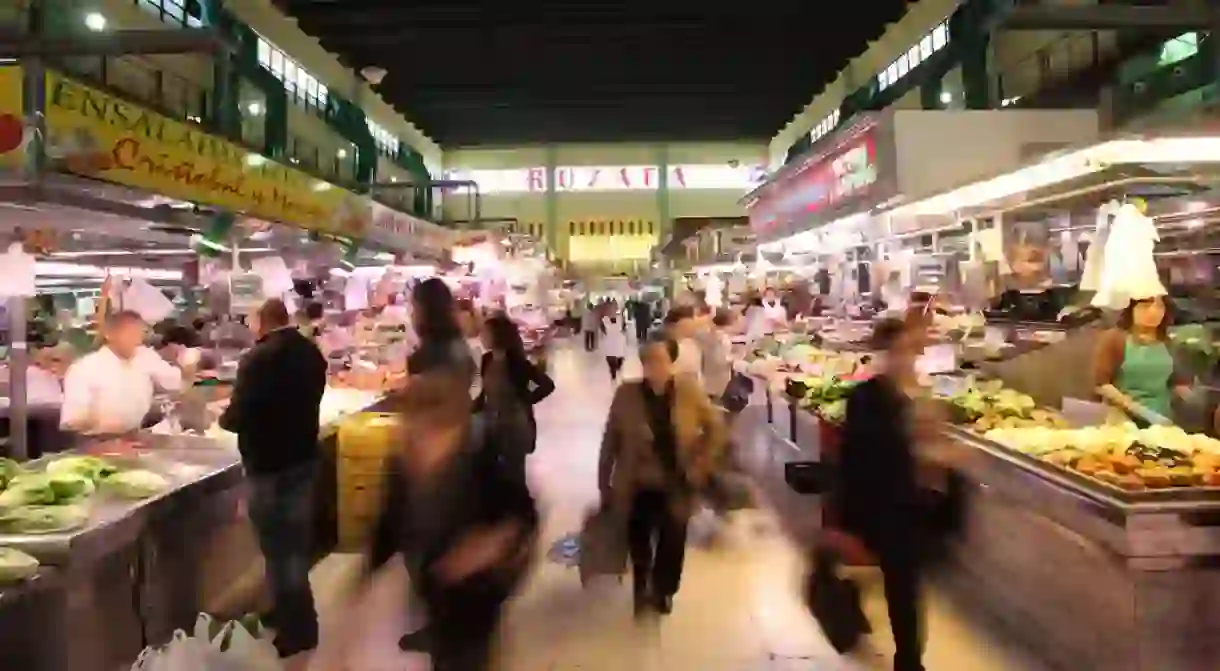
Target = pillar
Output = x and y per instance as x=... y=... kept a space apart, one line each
x=929 y=93
x=550 y=226
x=968 y=35
x=663 y=220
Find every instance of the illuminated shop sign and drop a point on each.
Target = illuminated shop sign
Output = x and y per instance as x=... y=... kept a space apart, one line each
x=840 y=177
x=613 y=178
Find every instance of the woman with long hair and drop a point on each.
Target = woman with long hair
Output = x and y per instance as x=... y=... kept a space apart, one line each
x=441 y=342
x=512 y=385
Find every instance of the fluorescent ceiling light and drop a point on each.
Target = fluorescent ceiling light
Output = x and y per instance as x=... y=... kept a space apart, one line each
x=95 y=22
x=52 y=268
x=1061 y=168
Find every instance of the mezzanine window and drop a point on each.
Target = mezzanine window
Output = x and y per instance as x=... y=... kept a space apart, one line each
x=386 y=142
x=824 y=126
x=175 y=12
x=916 y=55
x=302 y=87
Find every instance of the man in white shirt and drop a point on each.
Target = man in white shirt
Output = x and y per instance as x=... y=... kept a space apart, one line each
x=111 y=390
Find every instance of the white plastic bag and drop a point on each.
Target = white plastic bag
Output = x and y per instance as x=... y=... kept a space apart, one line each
x=232 y=649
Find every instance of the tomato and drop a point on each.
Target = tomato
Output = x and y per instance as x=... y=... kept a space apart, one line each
x=12 y=130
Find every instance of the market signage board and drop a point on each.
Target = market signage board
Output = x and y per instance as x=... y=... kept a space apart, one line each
x=569 y=179
x=94 y=134
x=12 y=124
x=847 y=174
x=401 y=231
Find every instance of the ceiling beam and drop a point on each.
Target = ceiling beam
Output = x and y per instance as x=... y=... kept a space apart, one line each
x=1179 y=17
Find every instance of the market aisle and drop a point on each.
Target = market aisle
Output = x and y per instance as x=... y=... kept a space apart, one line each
x=738 y=609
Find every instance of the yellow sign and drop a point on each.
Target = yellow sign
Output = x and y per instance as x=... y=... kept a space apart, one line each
x=12 y=125
x=97 y=135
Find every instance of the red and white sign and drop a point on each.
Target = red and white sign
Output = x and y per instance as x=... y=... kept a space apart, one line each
x=848 y=172
x=401 y=231
x=613 y=178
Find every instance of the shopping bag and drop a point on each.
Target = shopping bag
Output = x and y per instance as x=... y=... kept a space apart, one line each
x=810 y=477
x=737 y=394
x=834 y=602
x=603 y=546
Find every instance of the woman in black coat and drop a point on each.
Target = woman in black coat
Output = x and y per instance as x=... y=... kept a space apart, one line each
x=878 y=495
x=512 y=385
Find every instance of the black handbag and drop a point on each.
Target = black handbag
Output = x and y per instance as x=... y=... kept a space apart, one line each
x=737 y=394
x=834 y=602
x=810 y=477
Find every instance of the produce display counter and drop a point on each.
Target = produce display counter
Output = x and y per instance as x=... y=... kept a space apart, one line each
x=133 y=572
x=1092 y=576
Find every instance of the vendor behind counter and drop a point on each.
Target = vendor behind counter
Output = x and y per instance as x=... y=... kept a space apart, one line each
x=1133 y=368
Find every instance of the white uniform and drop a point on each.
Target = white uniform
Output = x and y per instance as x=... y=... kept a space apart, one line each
x=103 y=387
x=614 y=339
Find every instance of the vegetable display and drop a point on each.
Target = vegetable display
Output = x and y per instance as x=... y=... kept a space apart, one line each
x=1123 y=456
x=16 y=565
x=827 y=397
x=43 y=519
x=136 y=484
x=989 y=405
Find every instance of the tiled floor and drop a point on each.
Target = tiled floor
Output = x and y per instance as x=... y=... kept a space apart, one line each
x=738 y=609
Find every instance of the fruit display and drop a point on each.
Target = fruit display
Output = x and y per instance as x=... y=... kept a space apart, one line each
x=989 y=405
x=16 y=565
x=1122 y=455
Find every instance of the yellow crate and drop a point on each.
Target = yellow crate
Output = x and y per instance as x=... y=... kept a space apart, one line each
x=368 y=435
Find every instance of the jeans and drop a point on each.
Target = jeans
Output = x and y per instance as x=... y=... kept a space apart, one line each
x=657 y=544
x=281 y=510
x=899 y=560
x=590 y=341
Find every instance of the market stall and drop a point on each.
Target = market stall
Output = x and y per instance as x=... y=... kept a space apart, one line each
x=1089 y=539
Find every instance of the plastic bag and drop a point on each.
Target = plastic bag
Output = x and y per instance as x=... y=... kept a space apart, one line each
x=233 y=648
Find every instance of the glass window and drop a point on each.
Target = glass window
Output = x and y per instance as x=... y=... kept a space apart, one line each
x=1179 y=49
x=902 y=68
x=323 y=94
x=277 y=63
x=913 y=58
x=264 y=53
x=940 y=36
x=290 y=75
x=892 y=72
x=174 y=8
x=925 y=47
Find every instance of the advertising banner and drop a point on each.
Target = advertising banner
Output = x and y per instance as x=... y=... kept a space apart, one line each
x=828 y=184
x=94 y=134
x=403 y=232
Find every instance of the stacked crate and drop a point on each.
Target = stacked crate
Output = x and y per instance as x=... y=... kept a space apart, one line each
x=365 y=442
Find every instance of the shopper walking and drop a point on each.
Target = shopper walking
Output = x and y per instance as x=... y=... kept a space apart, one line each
x=642 y=315
x=878 y=498
x=442 y=344
x=512 y=385
x=590 y=320
x=274 y=412
x=464 y=530
x=661 y=442
x=614 y=343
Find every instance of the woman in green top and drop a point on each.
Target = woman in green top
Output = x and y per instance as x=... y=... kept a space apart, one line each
x=1133 y=368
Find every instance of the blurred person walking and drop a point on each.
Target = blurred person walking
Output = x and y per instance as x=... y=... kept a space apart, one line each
x=274 y=412
x=879 y=500
x=661 y=442
x=614 y=343
x=681 y=326
x=442 y=344
x=512 y=386
x=590 y=320
x=464 y=530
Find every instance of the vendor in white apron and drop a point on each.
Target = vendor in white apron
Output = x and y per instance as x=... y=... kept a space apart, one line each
x=110 y=391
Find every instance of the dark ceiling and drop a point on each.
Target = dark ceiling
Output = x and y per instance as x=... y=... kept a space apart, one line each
x=521 y=73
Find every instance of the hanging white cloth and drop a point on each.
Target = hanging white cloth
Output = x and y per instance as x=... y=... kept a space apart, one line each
x=1090 y=279
x=1128 y=269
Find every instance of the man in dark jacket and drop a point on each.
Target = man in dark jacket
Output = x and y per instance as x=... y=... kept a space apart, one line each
x=274 y=412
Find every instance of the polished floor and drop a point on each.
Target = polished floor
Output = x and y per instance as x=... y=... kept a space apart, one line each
x=738 y=609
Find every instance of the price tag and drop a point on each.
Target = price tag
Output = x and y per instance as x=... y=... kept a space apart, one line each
x=937 y=359
x=993 y=338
